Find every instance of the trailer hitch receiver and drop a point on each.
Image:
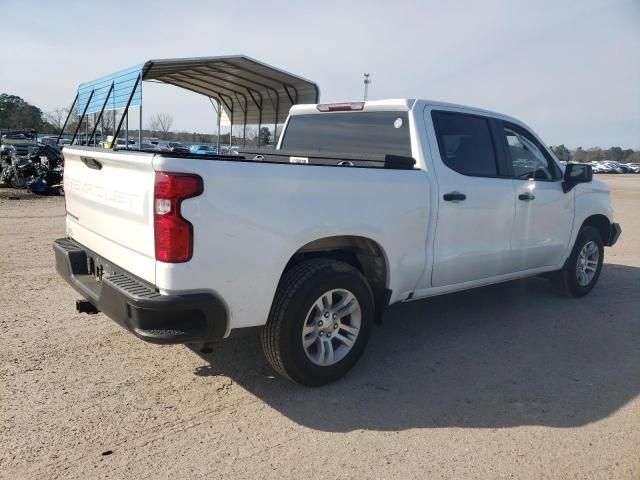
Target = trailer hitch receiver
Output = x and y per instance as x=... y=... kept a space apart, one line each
x=85 y=306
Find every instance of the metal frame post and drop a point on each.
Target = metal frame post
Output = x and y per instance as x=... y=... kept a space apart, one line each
x=84 y=112
x=244 y=124
x=231 y=130
x=135 y=85
x=259 y=122
x=219 y=120
x=259 y=107
x=275 y=125
x=73 y=105
x=217 y=110
x=100 y=117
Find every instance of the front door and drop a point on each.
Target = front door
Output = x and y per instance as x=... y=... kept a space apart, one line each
x=544 y=213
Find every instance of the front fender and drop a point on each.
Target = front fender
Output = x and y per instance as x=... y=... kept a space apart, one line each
x=593 y=198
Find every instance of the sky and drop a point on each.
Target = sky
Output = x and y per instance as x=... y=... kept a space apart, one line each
x=570 y=69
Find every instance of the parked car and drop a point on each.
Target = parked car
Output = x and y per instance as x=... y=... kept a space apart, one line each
x=203 y=149
x=385 y=202
x=124 y=144
x=49 y=140
x=597 y=168
x=23 y=140
x=143 y=146
x=611 y=167
x=175 y=147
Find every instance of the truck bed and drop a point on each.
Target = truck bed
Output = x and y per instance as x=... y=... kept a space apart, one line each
x=250 y=220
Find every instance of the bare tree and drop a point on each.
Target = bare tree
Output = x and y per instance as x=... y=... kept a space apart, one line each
x=160 y=124
x=252 y=135
x=57 y=117
x=107 y=121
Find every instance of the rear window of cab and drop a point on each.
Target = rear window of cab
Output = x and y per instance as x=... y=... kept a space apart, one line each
x=380 y=133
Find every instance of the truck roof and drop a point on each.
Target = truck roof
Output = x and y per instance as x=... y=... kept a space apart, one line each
x=401 y=104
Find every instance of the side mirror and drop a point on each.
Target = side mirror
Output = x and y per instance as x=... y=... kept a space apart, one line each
x=575 y=173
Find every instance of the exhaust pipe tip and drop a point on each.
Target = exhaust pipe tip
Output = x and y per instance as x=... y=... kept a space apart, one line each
x=85 y=306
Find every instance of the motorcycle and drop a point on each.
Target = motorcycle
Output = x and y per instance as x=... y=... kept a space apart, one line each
x=19 y=171
x=48 y=182
x=48 y=179
x=7 y=152
x=29 y=171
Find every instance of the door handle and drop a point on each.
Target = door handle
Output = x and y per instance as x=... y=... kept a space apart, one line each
x=527 y=196
x=91 y=163
x=454 y=197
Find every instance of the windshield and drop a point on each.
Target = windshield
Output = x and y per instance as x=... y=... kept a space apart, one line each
x=381 y=133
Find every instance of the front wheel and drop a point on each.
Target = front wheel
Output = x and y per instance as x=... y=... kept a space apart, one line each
x=319 y=323
x=582 y=269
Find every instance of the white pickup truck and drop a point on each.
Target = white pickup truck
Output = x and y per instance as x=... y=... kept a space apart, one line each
x=361 y=206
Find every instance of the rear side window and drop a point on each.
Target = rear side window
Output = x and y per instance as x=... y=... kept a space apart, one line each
x=380 y=133
x=466 y=144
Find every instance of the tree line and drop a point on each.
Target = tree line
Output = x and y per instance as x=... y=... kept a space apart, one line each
x=596 y=154
x=15 y=112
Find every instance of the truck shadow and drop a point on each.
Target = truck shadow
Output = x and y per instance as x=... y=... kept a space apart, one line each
x=500 y=356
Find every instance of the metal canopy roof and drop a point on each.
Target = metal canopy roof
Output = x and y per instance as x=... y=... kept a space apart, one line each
x=111 y=91
x=253 y=91
x=248 y=91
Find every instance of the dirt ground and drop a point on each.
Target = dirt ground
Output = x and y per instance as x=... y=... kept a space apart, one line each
x=508 y=381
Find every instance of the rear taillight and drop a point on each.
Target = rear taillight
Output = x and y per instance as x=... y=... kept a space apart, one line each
x=340 y=107
x=173 y=234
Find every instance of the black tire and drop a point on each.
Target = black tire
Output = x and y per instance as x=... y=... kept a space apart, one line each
x=299 y=288
x=16 y=182
x=565 y=281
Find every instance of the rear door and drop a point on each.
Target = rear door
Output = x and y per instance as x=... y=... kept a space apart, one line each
x=475 y=200
x=109 y=202
x=544 y=213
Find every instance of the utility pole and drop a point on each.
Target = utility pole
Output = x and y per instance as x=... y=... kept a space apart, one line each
x=367 y=81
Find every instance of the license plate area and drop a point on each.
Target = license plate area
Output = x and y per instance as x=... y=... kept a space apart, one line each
x=98 y=267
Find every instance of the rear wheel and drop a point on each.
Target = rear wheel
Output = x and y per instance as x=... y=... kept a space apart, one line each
x=319 y=323
x=582 y=269
x=16 y=182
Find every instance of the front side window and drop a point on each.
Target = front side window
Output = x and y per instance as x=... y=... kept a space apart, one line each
x=465 y=143
x=527 y=156
x=379 y=133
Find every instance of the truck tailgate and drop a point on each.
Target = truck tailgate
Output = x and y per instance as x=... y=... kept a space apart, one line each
x=109 y=202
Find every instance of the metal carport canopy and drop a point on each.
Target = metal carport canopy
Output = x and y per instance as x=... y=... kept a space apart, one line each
x=249 y=91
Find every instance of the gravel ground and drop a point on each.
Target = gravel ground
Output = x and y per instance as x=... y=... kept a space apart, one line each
x=507 y=381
